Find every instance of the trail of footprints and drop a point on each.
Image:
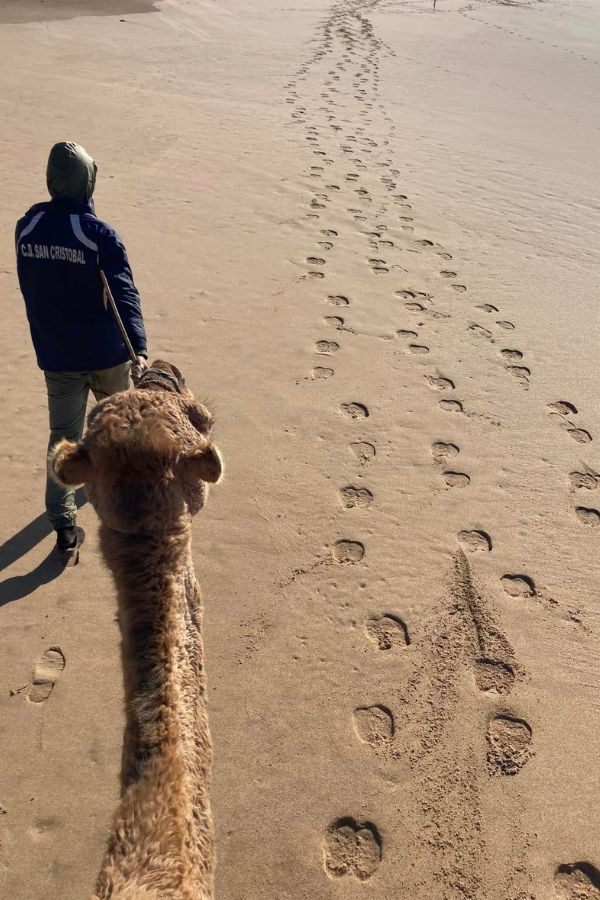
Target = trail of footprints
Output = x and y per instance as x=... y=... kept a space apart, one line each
x=585 y=481
x=349 y=50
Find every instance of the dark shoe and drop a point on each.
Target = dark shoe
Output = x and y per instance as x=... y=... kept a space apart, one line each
x=68 y=542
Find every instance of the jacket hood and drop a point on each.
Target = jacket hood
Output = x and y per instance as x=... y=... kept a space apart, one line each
x=71 y=173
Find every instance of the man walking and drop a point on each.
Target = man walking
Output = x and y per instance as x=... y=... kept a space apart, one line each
x=61 y=246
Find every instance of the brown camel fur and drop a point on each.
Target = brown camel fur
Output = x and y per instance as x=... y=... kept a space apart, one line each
x=145 y=460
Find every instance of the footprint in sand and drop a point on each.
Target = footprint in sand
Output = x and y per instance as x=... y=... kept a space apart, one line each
x=456 y=479
x=506 y=325
x=446 y=273
x=352 y=848
x=577 y=881
x=334 y=321
x=585 y=480
x=388 y=632
x=329 y=232
x=442 y=452
x=374 y=725
x=406 y=334
x=419 y=349
x=563 y=407
x=488 y=308
x=509 y=745
x=518 y=585
x=474 y=541
x=355 y=410
x=451 y=405
x=413 y=295
x=321 y=372
x=315 y=261
x=480 y=331
x=327 y=347
x=511 y=354
x=325 y=245
x=521 y=373
x=46 y=673
x=459 y=288
x=346 y=551
x=423 y=242
x=363 y=451
x=351 y=497
x=440 y=382
x=315 y=275
x=587 y=516
x=580 y=435
x=338 y=300
x=493 y=675
x=559 y=410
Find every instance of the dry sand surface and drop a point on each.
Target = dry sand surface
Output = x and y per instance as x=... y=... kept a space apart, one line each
x=369 y=233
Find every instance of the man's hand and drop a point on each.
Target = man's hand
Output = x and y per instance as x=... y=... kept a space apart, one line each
x=138 y=368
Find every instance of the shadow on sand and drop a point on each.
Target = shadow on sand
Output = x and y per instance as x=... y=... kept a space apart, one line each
x=13 y=12
x=19 y=545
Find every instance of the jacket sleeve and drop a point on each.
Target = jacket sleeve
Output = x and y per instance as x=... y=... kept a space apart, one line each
x=112 y=259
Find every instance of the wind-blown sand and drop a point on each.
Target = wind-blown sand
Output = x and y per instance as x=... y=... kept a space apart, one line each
x=369 y=233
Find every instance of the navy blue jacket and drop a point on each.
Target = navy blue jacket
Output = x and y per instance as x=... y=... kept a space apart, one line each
x=61 y=245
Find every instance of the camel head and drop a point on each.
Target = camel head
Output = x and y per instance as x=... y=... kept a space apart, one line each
x=147 y=455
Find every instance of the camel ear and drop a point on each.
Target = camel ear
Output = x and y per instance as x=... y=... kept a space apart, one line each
x=70 y=464
x=204 y=465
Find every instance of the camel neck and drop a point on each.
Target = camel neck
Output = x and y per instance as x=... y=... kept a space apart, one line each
x=133 y=557
x=166 y=749
x=161 y=649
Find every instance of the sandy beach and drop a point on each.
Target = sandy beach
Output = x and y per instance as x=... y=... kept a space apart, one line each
x=368 y=234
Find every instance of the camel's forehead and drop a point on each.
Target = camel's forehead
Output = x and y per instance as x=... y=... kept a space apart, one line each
x=144 y=418
x=134 y=406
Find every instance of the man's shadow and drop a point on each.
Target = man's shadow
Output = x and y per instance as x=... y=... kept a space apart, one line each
x=21 y=543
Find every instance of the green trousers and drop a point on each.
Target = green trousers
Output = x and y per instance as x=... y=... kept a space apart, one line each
x=68 y=394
